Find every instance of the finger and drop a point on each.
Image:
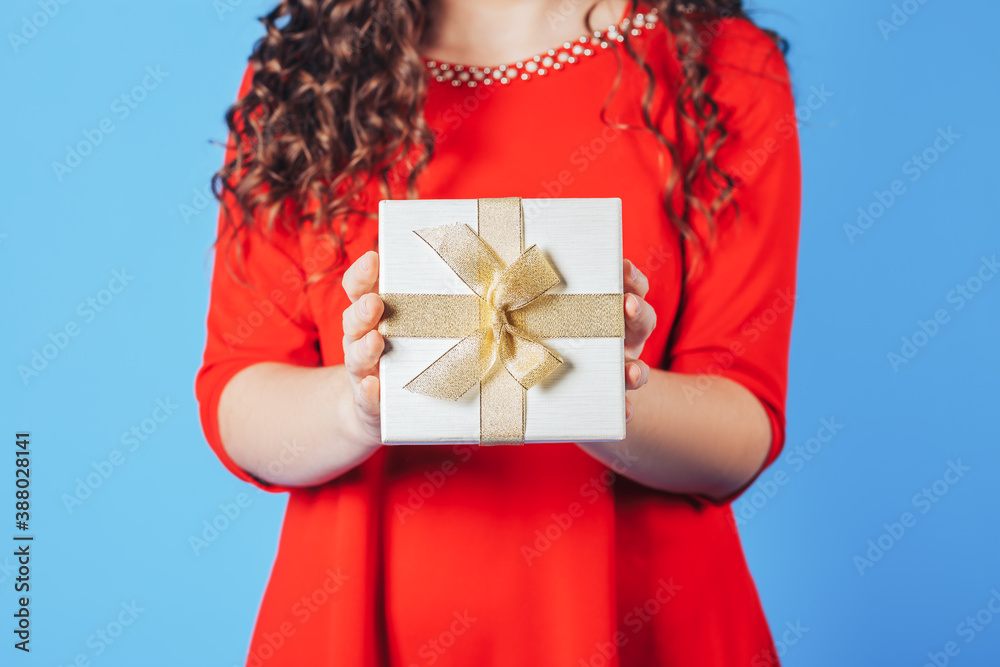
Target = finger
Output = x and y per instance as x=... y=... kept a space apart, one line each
x=640 y=320
x=366 y=399
x=634 y=279
x=362 y=316
x=362 y=276
x=636 y=374
x=361 y=356
x=629 y=410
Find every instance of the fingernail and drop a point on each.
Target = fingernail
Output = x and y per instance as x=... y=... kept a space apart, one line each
x=363 y=306
x=366 y=262
x=628 y=413
x=632 y=273
x=638 y=305
x=634 y=373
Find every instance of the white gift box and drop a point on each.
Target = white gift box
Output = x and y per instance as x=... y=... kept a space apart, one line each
x=583 y=400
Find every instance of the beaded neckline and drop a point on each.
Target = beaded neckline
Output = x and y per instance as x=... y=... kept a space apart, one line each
x=540 y=65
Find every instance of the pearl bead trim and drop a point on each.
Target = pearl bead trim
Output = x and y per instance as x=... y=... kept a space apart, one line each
x=540 y=65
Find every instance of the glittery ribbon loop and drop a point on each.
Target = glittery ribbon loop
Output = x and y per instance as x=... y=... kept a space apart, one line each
x=501 y=290
x=499 y=327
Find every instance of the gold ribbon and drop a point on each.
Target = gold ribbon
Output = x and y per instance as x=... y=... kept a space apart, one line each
x=500 y=324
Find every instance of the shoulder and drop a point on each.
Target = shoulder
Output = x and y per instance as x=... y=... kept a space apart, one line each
x=744 y=61
x=742 y=67
x=738 y=44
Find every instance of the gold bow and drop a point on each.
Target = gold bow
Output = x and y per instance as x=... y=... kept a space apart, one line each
x=500 y=322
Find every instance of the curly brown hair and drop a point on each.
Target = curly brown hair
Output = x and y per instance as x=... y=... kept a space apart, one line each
x=337 y=100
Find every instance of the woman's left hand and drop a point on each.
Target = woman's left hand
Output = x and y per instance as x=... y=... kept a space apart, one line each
x=640 y=319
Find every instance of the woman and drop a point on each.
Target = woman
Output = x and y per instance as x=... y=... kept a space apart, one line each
x=591 y=554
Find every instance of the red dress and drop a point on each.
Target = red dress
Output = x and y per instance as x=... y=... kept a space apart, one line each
x=537 y=555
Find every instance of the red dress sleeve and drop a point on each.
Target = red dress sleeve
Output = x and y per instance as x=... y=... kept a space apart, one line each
x=258 y=311
x=737 y=303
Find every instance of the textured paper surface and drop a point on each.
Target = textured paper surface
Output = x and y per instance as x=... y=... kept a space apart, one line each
x=584 y=400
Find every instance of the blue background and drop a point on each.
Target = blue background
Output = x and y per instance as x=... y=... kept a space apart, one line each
x=805 y=521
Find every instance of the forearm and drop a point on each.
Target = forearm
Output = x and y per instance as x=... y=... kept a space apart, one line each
x=293 y=426
x=708 y=442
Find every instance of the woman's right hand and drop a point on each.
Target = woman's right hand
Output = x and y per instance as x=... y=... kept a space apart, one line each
x=363 y=344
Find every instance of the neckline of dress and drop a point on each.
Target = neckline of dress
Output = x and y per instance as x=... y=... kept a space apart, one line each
x=541 y=64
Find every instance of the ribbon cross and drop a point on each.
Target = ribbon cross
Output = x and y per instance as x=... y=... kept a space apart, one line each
x=500 y=323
